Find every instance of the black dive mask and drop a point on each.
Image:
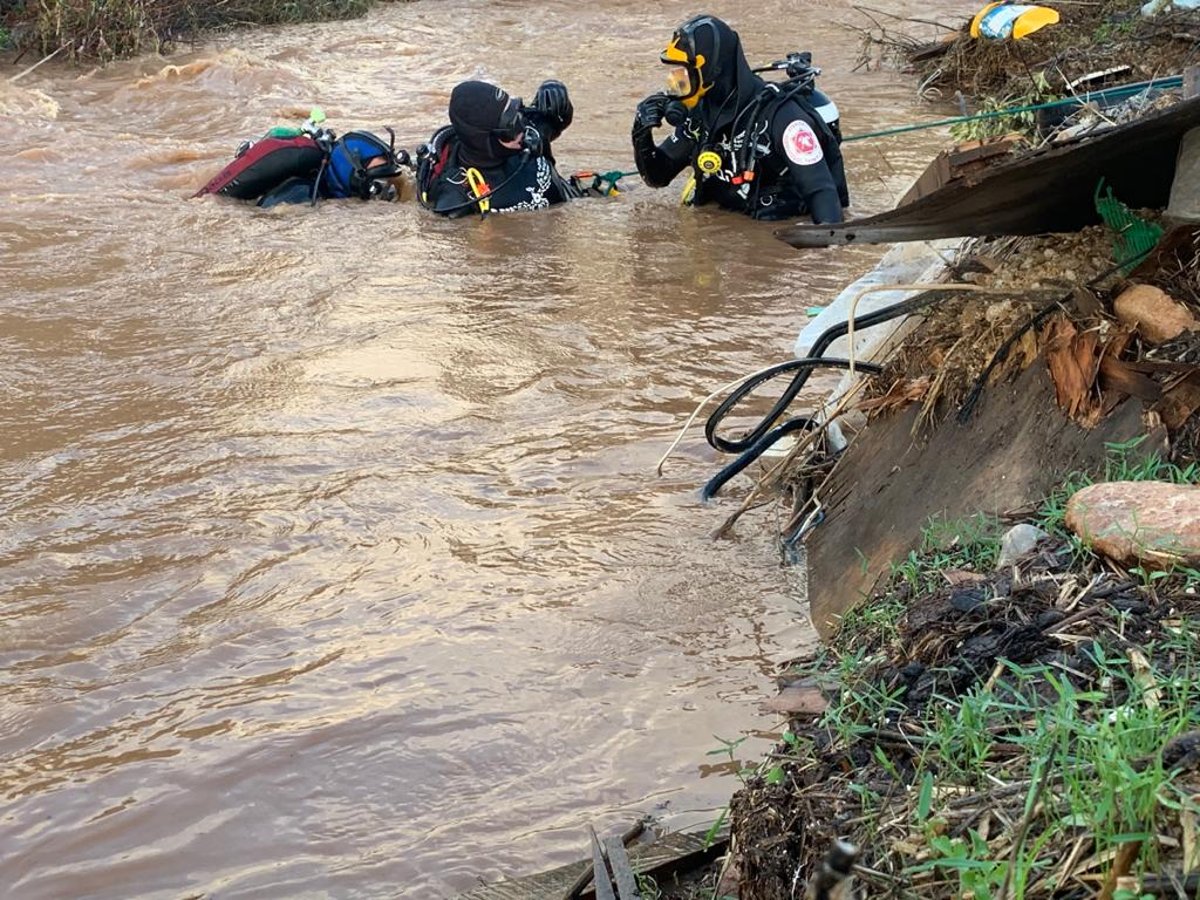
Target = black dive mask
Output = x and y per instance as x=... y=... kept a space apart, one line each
x=512 y=121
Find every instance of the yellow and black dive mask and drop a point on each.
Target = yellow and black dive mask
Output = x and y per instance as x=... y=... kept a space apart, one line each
x=686 y=81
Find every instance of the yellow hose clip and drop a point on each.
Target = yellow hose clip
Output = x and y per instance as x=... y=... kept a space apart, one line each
x=480 y=189
x=709 y=162
x=688 y=196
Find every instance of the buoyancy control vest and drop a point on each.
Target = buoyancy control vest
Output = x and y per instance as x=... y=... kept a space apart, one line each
x=521 y=181
x=262 y=165
x=747 y=169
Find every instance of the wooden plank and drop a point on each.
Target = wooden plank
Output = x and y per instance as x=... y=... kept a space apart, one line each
x=886 y=484
x=1047 y=190
x=1191 y=82
x=979 y=151
x=601 y=880
x=622 y=870
x=554 y=883
x=669 y=854
x=935 y=176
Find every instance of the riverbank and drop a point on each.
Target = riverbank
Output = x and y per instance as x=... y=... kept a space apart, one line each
x=84 y=29
x=990 y=721
x=994 y=723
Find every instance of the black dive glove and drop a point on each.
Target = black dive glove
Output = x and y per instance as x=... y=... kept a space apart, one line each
x=650 y=112
x=552 y=101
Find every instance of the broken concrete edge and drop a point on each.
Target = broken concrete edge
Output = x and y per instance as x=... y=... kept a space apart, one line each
x=1184 y=203
x=901 y=264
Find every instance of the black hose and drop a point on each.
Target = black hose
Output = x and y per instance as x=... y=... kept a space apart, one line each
x=762 y=435
x=803 y=369
x=719 y=480
x=312 y=201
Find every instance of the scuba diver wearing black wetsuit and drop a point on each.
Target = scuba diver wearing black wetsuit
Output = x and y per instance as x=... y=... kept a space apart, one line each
x=771 y=150
x=495 y=155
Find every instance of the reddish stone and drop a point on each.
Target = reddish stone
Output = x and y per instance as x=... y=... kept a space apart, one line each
x=1157 y=315
x=1152 y=523
x=798 y=700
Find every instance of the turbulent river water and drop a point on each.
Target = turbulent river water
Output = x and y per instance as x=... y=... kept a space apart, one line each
x=333 y=561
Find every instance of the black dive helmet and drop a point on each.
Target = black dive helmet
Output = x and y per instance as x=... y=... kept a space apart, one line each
x=683 y=51
x=483 y=117
x=709 y=66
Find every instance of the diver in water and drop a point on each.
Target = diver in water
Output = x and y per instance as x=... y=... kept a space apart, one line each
x=495 y=154
x=311 y=163
x=768 y=149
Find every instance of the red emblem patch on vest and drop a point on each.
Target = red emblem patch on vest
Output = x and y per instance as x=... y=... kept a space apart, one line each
x=801 y=144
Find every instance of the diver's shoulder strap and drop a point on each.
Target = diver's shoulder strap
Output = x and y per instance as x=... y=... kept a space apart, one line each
x=434 y=159
x=824 y=132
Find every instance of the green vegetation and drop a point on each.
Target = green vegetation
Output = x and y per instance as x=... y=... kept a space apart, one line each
x=1018 y=734
x=970 y=545
x=1114 y=30
x=1090 y=761
x=1024 y=123
x=1043 y=762
x=107 y=29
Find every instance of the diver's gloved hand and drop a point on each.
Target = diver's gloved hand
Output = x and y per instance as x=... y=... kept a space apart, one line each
x=650 y=111
x=552 y=100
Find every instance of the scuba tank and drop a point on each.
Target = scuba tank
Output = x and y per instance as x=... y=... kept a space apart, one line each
x=801 y=83
x=828 y=112
x=744 y=158
x=799 y=87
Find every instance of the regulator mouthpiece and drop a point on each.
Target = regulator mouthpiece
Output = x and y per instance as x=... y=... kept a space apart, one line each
x=531 y=141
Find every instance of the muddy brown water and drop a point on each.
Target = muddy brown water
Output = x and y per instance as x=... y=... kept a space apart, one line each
x=333 y=563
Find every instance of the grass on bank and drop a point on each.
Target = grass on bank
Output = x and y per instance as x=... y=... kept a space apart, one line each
x=1038 y=772
x=1066 y=764
x=109 y=29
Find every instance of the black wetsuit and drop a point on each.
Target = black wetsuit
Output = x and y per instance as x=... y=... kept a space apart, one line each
x=796 y=160
x=515 y=179
x=519 y=181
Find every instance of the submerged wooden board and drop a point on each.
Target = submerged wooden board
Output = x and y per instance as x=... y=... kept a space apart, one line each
x=600 y=879
x=1048 y=190
x=1014 y=449
x=622 y=869
x=671 y=853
